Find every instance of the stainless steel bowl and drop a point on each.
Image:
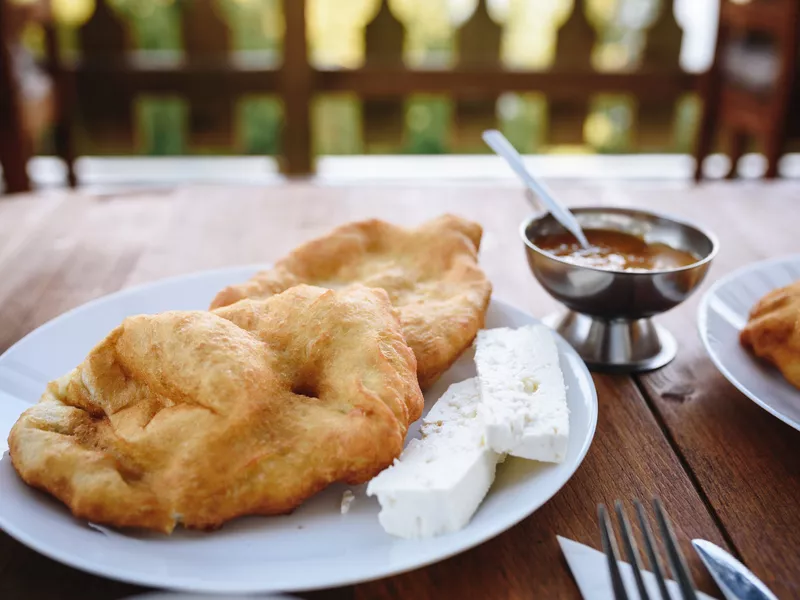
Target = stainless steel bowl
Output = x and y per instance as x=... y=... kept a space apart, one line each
x=609 y=317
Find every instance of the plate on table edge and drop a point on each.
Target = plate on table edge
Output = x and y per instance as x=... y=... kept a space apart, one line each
x=314 y=547
x=724 y=310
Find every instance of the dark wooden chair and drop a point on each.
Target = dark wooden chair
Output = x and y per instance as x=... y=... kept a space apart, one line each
x=748 y=91
x=32 y=101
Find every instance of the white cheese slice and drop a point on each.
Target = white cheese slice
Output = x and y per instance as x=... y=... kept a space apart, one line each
x=524 y=399
x=439 y=480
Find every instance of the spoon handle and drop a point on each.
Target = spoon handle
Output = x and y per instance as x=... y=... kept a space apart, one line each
x=498 y=142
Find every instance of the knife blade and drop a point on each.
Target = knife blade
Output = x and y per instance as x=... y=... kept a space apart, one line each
x=735 y=580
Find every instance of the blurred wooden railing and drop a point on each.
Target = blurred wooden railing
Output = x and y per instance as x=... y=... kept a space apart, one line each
x=101 y=86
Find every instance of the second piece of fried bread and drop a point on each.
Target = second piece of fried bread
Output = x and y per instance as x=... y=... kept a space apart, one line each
x=431 y=274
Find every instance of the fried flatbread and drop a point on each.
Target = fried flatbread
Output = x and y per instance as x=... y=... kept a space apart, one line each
x=199 y=417
x=431 y=274
x=773 y=331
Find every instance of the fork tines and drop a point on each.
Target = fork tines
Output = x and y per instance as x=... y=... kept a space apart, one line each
x=677 y=563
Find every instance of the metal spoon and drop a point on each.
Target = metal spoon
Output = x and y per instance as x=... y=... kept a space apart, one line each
x=500 y=144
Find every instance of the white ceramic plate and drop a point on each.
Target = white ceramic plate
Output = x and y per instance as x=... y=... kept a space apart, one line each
x=316 y=546
x=723 y=313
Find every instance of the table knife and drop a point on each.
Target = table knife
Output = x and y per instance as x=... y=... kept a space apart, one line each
x=735 y=580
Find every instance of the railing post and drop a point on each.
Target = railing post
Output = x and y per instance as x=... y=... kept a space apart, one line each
x=104 y=44
x=207 y=40
x=656 y=118
x=296 y=88
x=574 y=43
x=383 y=121
x=479 y=42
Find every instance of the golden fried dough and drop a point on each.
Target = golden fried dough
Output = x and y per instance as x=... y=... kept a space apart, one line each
x=199 y=417
x=773 y=331
x=430 y=273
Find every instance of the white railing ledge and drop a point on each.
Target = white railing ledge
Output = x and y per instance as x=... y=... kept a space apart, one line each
x=125 y=172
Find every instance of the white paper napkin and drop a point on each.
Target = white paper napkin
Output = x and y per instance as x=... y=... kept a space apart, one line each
x=590 y=569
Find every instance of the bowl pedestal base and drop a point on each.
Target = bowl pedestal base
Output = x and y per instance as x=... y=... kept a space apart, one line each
x=615 y=346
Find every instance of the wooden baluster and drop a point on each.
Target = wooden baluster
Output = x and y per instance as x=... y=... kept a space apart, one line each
x=383 y=122
x=104 y=102
x=664 y=38
x=205 y=34
x=296 y=87
x=479 y=48
x=574 y=44
x=207 y=42
x=655 y=123
x=104 y=36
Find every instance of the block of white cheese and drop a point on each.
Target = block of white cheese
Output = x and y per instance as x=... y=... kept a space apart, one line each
x=439 y=480
x=524 y=399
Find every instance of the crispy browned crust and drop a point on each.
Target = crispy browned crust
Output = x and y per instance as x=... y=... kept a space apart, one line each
x=199 y=417
x=431 y=274
x=773 y=331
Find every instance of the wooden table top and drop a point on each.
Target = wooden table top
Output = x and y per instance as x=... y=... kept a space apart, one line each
x=725 y=469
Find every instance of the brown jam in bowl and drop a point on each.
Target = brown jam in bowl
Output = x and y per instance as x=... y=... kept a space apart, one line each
x=615 y=251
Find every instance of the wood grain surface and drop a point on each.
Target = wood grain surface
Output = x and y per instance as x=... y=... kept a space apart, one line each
x=726 y=470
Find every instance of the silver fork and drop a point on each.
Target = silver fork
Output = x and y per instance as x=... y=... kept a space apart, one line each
x=674 y=556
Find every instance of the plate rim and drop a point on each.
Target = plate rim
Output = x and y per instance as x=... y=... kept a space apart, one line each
x=187 y=584
x=130 y=290
x=702 y=327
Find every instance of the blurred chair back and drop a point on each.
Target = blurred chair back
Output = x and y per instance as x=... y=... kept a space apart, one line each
x=33 y=96
x=15 y=142
x=747 y=92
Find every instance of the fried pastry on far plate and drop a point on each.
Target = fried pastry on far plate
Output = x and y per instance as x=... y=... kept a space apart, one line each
x=773 y=331
x=199 y=417
x=431 y=274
